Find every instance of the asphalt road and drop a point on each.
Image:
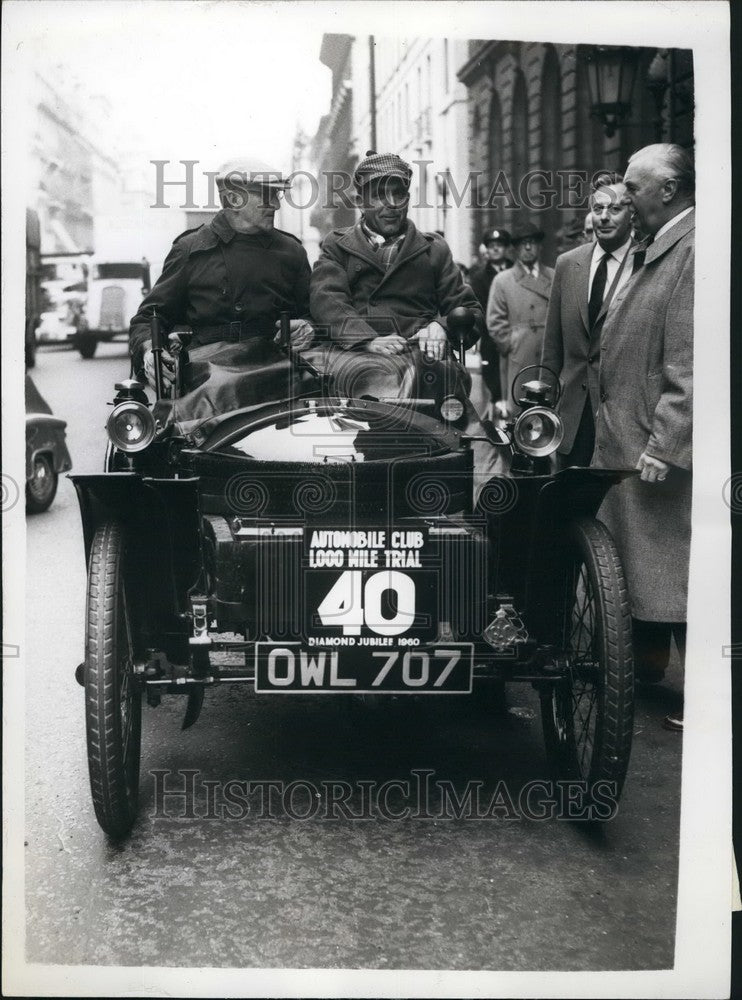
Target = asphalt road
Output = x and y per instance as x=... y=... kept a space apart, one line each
x=507 y=892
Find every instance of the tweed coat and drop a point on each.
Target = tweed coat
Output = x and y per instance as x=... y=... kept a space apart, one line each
x=646 y=404
x=516 y=314
x=571 y=349
x=353 y=295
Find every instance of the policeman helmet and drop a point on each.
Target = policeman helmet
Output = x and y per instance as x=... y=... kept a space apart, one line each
x=247 y=173
x=496 y=236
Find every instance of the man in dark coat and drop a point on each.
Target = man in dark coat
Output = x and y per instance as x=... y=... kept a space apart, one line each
x=646 y=405
x=585 y=281
x=228 y=281
x=382 y=284
x=496 y=243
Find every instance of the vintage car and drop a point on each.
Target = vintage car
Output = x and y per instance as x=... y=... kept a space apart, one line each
x=46 y=451
x=331 y=543
x=114 y=291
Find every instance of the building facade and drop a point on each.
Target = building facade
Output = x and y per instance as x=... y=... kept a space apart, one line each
x=332 y=151
x=71 y=181
x=397 y=95
x=497 y=131
x=530 y=111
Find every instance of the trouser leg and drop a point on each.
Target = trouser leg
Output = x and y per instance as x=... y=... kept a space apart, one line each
x=651 y=649
x=584 y=443
x=679 y=630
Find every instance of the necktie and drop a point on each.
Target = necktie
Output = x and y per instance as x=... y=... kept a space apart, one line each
x=641 y=254
x=597 y=292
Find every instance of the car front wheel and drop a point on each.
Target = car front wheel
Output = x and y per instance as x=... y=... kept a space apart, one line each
x=41 y=488
x=588 y=715
x=113 y=702
x=86 y=345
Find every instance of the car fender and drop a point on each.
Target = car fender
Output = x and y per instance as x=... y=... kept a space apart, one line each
x=45 y=435
x=161 y=519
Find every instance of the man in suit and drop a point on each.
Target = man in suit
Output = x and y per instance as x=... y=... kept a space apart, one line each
x=645 y=415
x=496 y=243
x=585 y=281
x=516 y=308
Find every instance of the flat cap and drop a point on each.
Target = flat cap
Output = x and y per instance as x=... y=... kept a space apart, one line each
x=377 y=165
x=249 y=171
x=496 y=236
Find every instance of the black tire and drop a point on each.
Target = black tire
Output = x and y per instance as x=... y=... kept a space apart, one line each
x=113 y=703
x=41 y=488
x=588 y=717
x=86 y=346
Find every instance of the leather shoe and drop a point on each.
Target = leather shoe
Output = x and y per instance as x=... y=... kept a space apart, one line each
x=673 y=722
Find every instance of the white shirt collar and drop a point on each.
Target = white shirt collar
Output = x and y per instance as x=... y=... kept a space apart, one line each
x=673 y=221
x=617 y=255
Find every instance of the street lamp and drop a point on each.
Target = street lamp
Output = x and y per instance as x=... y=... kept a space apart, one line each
x=611 y=72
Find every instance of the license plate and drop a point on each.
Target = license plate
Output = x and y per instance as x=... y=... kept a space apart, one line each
x=360 y=669
x=375 y=583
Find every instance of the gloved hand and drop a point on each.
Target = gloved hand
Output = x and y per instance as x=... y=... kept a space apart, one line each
x=168 y=362
x=302 y=333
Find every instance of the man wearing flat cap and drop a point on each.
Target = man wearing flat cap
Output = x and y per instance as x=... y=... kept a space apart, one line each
x=496 y=243
x=229 y=280
x=516 y=308
x=382 y=285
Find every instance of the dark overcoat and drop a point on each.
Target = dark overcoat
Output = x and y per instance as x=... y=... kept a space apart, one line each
x=353 y=297
x=223 y=295
x=480 y=278
x=646 y=404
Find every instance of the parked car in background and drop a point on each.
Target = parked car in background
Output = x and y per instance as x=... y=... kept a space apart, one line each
x=114 y=291
x=33 y=285
x=63 y=293
x=46 y=451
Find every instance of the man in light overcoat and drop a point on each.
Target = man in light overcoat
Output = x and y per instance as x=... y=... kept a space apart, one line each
x=646 y=406
x=516 y=308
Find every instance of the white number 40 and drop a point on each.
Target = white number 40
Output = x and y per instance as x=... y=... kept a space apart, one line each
x=349 y=604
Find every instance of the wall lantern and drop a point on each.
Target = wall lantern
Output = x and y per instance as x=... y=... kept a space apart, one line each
x=611 y=72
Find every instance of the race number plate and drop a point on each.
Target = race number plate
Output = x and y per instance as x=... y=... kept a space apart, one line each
x=370 y=583
x=291 y=668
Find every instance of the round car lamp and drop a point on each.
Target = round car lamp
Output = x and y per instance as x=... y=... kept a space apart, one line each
x=538 y=432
